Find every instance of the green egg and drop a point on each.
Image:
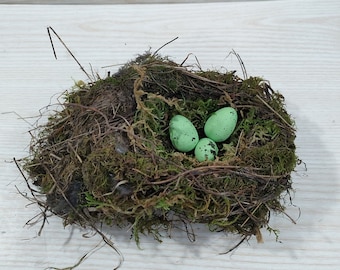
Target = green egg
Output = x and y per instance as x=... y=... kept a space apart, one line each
x=206 y=149
x=221 y=124
x=183 y=134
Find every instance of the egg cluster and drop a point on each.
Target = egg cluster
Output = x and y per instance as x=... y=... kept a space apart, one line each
x=219 y=126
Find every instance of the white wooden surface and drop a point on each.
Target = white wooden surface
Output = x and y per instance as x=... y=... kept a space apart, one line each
x=44 y=2
x=294 y=44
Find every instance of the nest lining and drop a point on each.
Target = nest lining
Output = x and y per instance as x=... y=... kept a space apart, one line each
x=107 y=157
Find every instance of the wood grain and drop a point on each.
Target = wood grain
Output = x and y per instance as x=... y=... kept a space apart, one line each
x=294 y=44
x=103 y=2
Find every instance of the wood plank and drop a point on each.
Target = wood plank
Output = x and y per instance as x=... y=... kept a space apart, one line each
x=294 y=44
x=115 y=2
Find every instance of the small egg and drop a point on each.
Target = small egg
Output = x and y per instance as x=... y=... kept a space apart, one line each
x=221 y=124
x=206 y=149
x=183 y=134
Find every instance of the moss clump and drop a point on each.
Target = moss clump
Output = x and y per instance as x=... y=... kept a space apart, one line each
x=107 y=157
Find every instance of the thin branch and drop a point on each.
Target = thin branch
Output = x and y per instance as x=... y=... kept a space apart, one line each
x=49 y=28
x=164 y=46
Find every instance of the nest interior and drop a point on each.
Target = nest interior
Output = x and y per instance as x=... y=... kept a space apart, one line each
x=106 y=155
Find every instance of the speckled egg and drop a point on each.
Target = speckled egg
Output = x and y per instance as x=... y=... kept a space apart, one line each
x=221 y=124
x=183 y=134
x=206 y=149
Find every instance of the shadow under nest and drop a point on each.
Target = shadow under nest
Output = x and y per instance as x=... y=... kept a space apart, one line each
x=107 y=157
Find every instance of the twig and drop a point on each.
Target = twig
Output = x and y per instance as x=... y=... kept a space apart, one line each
x=236 y=246
x=164 y=46
x=270 y=108
x=49 y=28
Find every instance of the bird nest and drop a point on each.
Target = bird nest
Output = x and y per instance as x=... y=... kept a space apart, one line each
x=106 y=156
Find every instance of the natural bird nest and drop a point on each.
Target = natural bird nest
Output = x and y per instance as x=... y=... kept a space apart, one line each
x=106 y=155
